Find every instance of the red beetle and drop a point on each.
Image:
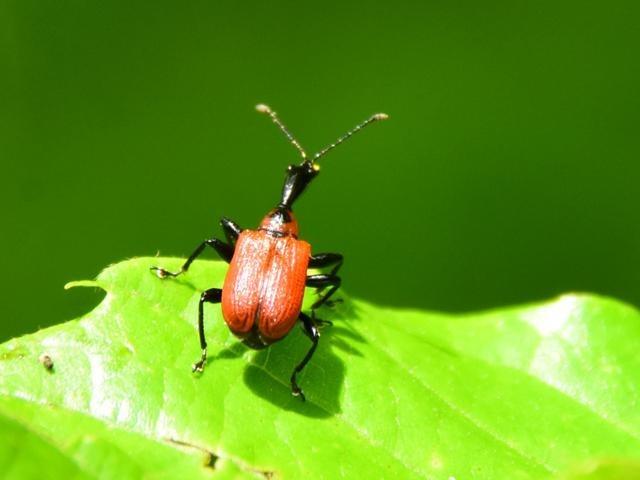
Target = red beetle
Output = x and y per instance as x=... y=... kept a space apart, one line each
x=264 y=287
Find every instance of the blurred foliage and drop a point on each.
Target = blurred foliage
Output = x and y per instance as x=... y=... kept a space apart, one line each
x=514 y=393
x=508 y=171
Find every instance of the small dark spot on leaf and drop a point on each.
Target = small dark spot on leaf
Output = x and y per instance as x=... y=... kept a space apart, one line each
x=211 y=461
x=46 y=360
x=210 y=457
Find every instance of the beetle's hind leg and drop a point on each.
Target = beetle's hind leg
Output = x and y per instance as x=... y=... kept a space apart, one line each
x=225 y=250
x=213 y=295
x=312 y=332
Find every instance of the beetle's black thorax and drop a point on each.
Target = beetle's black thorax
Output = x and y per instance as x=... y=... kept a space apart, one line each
x=280 y=222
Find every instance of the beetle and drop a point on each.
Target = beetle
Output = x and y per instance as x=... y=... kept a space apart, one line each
x=264 y=287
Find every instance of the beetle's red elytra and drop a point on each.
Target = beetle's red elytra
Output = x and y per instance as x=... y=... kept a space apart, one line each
x=264 y=287
x=263 y=290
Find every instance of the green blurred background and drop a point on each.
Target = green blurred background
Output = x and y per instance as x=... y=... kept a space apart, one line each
x=508 y=171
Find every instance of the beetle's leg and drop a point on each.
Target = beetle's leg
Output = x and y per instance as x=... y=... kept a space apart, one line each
x=224 y=250
x=319 y=322
x=312 y=332
x=213 y=295
x=320 y=260
x=231 y=230
x=322 y=281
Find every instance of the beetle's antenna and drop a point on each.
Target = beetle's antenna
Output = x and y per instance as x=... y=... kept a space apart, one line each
x=262 y=108
x=371 y=119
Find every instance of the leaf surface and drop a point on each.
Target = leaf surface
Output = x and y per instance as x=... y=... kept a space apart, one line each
x=519 y=393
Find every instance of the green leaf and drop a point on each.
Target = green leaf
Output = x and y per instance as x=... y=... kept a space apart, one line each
x=517 y=393
x=605 y=469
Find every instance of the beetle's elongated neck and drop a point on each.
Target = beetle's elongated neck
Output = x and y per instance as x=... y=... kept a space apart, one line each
x=298 y=177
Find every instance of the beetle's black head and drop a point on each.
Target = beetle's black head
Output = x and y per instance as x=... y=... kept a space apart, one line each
x=297 y=179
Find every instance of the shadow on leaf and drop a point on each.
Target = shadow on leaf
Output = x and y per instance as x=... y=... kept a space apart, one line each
x=321 y=380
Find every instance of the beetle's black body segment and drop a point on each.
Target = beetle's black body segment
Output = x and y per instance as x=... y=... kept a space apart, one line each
x=253 y=340
x=264 y=257
x=298 y=177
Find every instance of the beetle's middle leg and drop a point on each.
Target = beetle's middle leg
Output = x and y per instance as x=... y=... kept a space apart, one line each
x=312 y=332
x=322 y=281
x=320 y=260
x=213 y=295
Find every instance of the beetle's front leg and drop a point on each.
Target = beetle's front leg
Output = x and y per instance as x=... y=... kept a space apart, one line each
x=213 y=295
x=312 y=332
x=225 y=250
